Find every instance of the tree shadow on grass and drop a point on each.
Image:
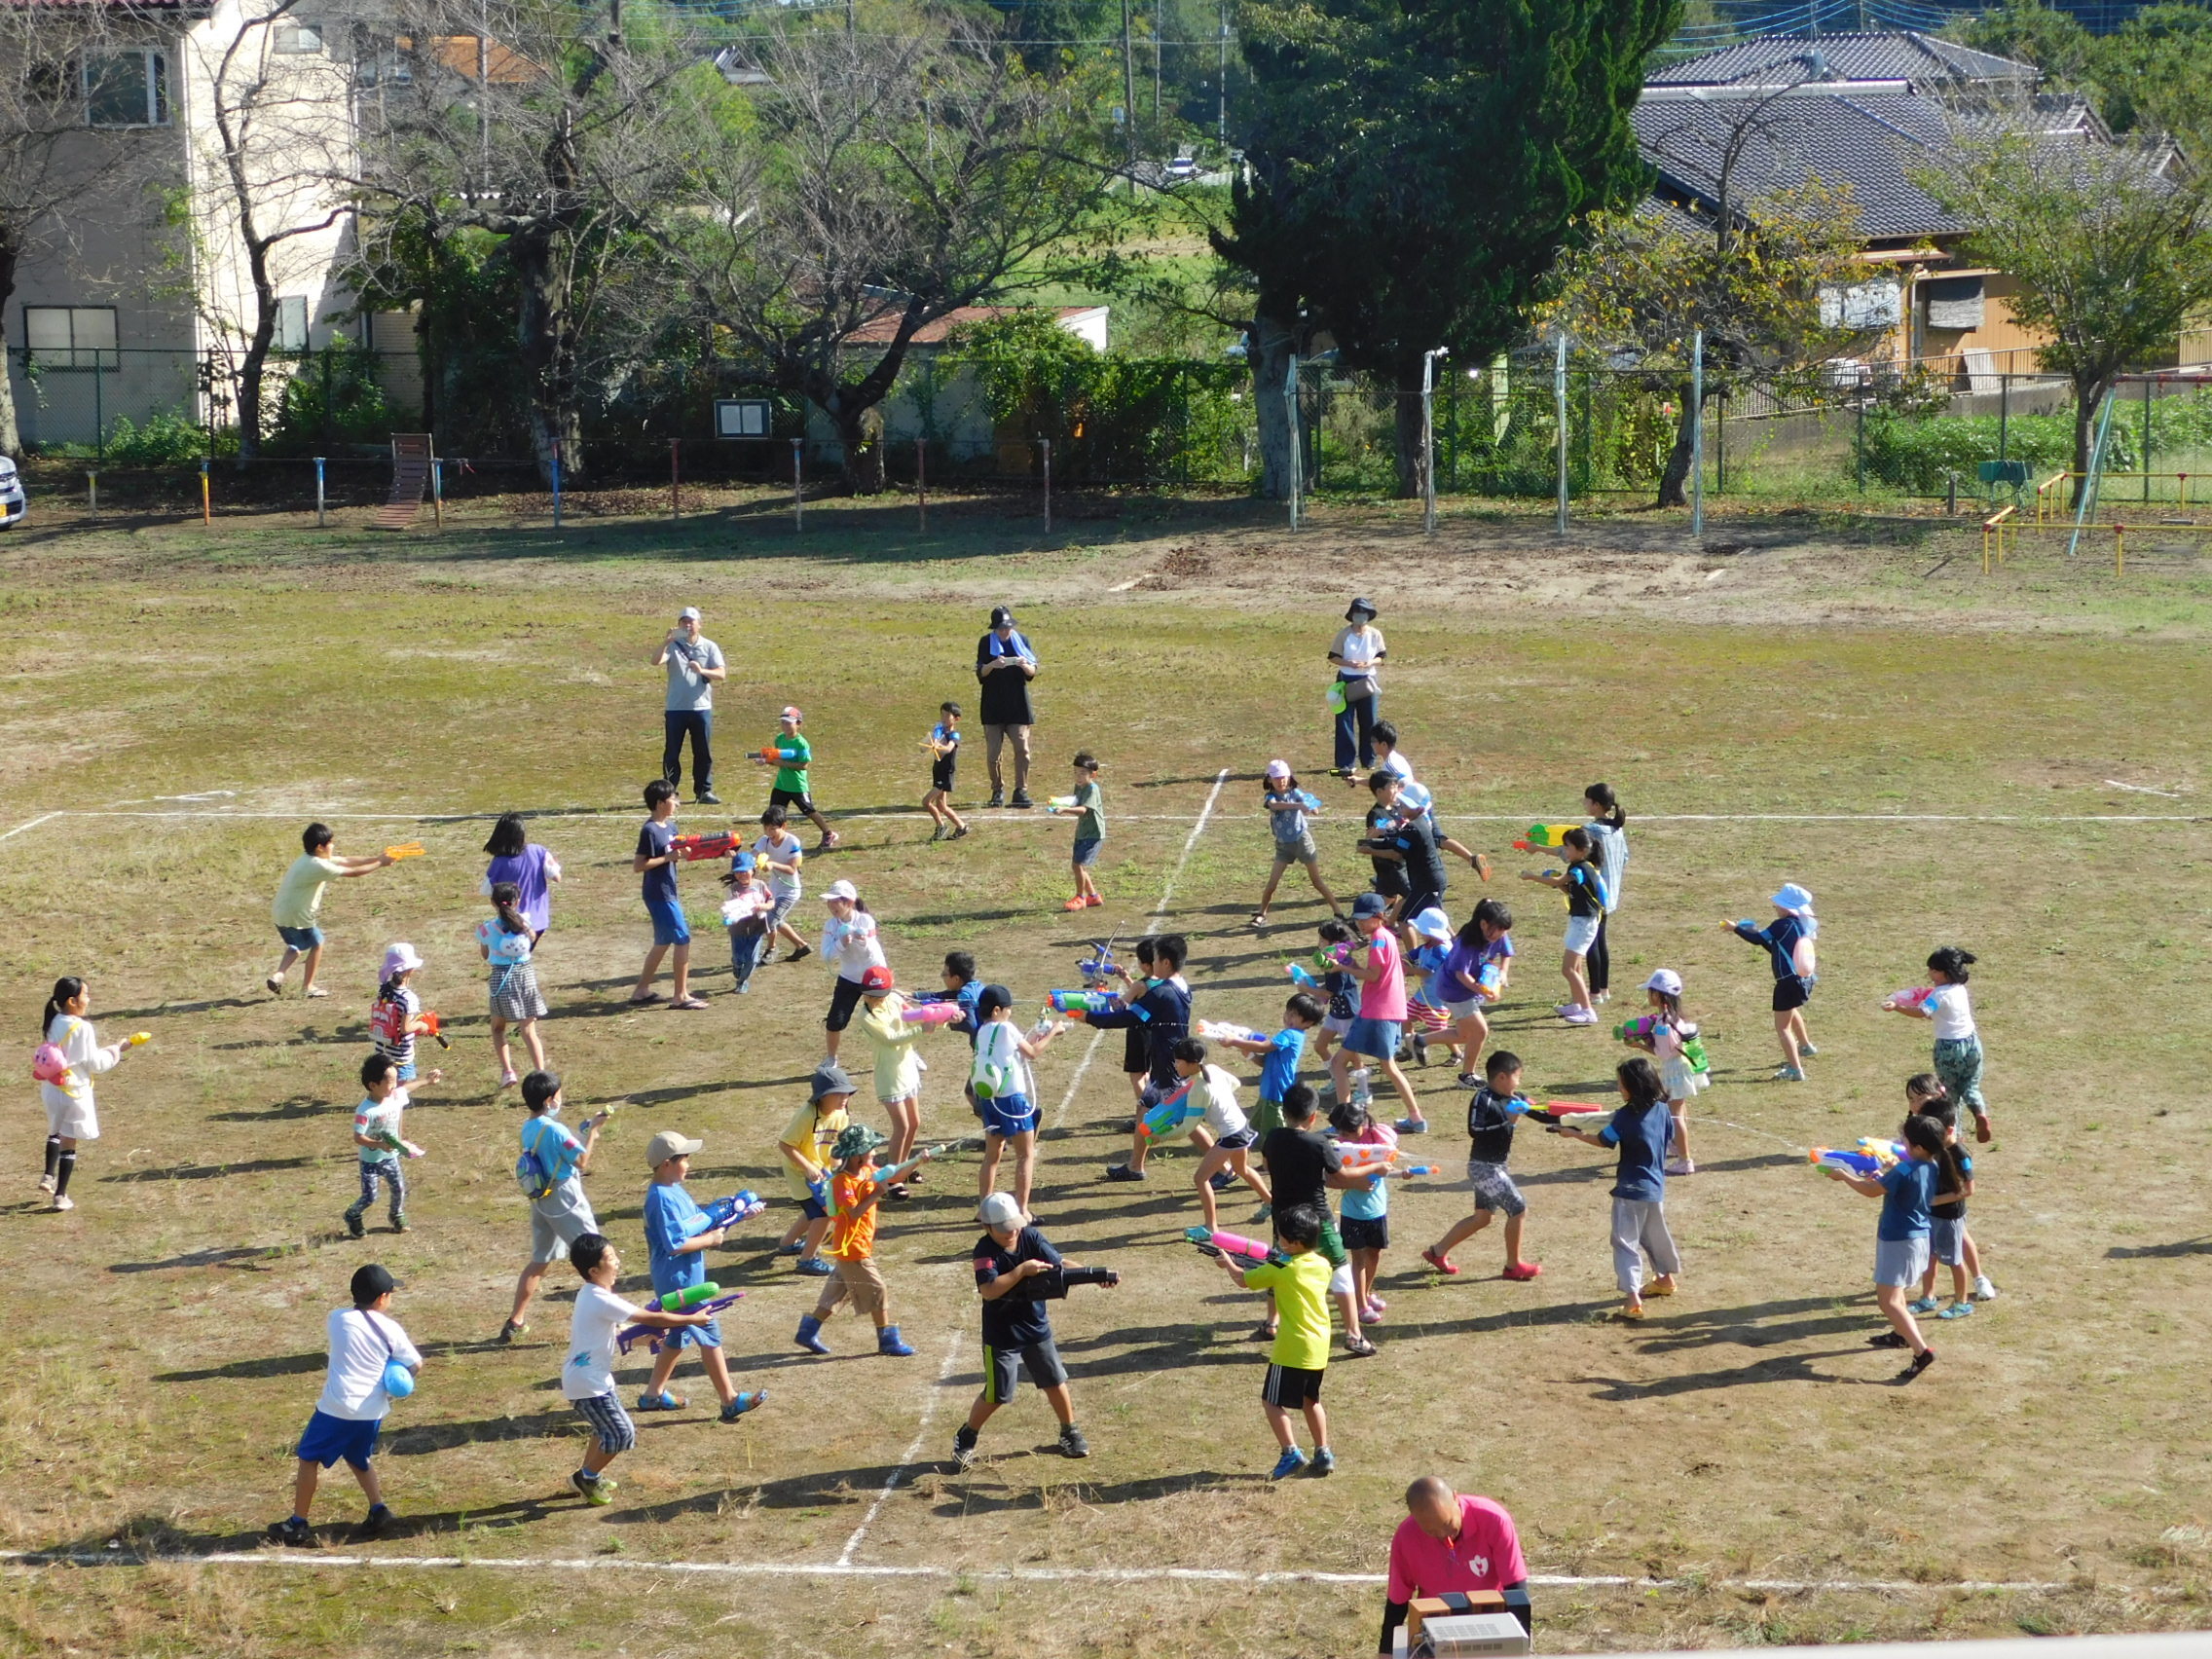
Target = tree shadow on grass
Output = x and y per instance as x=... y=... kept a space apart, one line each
x=694 y=1091
x=963 y=1498
x=2160 y=1252
x=216 y=1171
x=147 y=1536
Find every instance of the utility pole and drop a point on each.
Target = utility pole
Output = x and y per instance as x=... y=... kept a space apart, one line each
x=1156 y=49
x=1129 y=91
x=1221 y=86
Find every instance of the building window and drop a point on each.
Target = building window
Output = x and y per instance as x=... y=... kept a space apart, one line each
x=127 y=88
x=291 y=323
x=291 y=35
x=70 y=337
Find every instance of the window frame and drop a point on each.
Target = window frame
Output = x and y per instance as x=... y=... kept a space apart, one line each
x=284 y=308
x=290 y=38
x=68 y=359
x=154 y=82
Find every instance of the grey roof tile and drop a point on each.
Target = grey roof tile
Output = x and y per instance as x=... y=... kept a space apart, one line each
x=1922 y=60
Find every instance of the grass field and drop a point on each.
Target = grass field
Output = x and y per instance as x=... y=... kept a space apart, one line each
x=1755 y=712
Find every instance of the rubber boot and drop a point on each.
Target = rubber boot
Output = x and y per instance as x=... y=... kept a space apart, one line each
x=810 y=1336
x=887 y=1342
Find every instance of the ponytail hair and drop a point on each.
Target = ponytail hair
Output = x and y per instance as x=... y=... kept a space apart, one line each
x=1609 y=811
x=67 y=989
x=1641 y=1079
x=507 y=897
x=1671 y=1001
x=1952 y=963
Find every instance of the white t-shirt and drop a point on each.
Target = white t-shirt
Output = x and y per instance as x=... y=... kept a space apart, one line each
x=1396 y=763
x=370 y=1115
x=1952 y=1012
x=1218 y=1088
x=87 y=1058
x=353 y=1388
x=600 y=1314
x=851 y=947
x=785 y=851
x=1359 y=647
x=996 y=1043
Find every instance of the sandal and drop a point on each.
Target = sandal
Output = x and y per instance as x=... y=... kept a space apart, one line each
x=663 y=1401
x=1887 y=1339
x=649 y=997
x=688 y=1003
x=1259 y=919
x=1957 y=1310
x=1921 y=1361
x=1360 y=1350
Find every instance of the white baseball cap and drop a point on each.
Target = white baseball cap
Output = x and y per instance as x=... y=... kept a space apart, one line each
x=1000 y=1210
x=840 y=889
x=1433 y=923
x=1667 y=983
x=689 y=614
x=791 y=713
x=401 y=958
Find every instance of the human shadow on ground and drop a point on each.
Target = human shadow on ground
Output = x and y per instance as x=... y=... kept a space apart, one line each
x=828 y=1489
x=243 y=1370
x=962 y=1495
x=2160 y=1252
x=417 y=1440
x=1782 y=1368
x=217 y=1256
x=216 y=1171
x=161 y=1011
x=146 y=1538
x=279 y=1111
x=1757 y=1324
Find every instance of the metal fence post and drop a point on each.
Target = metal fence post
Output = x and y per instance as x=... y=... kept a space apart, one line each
x=2004 y=411
x=320 y=520
x=1429 y=361
x=921 y=484
x=207 y=499
x=1045 y=446
x=1297 y=461
x=798 y=487
x=675 y=478
x=99 y=407
x=1697 y=435
x=92 y=492
x=1559 y=410
x=438 y=493
x=556 y=483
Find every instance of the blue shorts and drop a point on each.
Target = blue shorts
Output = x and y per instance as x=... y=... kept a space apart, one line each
x=328 y=1439
x=813 y=1209
x=708 y=1334
x=407 y=1071
x=669 y=925
x=1087 y=849
x=1375 y=1038
x=300 y=939
x=1008 y=1115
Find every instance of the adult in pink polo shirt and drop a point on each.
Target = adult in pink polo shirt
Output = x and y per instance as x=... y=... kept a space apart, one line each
x=1445 y=1543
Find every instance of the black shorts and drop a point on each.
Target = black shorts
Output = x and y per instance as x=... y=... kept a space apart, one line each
x=1793 y=991
x=1238 y=1141
x=1041 y=1361
x=1359 y=1234
x=940 y=774
x=1136 y=1051
x=789 y=798
x=1291 y=1387
x=843 y=999
x=1426 y=899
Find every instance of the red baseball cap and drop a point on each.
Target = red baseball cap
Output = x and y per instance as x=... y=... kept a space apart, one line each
x=877 y=980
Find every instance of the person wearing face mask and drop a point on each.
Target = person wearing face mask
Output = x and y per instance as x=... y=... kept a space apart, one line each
x=556 y=1161
x=1005 y=665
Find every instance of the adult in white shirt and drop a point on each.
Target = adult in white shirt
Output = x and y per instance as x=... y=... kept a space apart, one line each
x=694 y=663
x=1357 y=654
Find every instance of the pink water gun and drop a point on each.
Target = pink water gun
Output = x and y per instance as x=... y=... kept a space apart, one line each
x=1920 y=999
x=931 y=1013
x=1228 y=1243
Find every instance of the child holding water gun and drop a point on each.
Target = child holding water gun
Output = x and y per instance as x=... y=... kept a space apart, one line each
x=1906 y=1189
x=854 y=1190
x=654 y=859
x=366 y=1343
x=376 y=1132
x=587 y=1379
x=1006 y=1090
x=1219 y=1128
x=1136 y=1041
x=1414 y=796
x=1088 y=805
x=1607 y=827
x=790 y=755
x=1278 y=1056
x=806 y=1146
x=1379 y=966
x=1584 y=886
x=1788 y=943
x=1303 y=1166
x=1639 y=1132
x=68 y=1059
x=899 y=1063
x=1474 y=975
x=1430 y=939
x=1948 y=1240
x=1298 y=1285
x=678 y=1236
x=1365 y=1207
x=1162 y=1009
x=746 y=906
x=851 y=947
x=1337 y=987
x=944 y=745
x=505 y=941
x=1671 y=1038
x=556 y=1162
x=1289 y=809
x=299 y=903
x=1957 y=1044
x=397 y=1019
x=1493 y=1115
x=782 y=857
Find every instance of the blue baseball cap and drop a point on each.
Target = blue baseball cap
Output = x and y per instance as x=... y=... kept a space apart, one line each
x=1369 y=904
x=741 y=860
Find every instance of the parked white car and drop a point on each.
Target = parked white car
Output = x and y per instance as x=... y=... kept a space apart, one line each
x=12 y=503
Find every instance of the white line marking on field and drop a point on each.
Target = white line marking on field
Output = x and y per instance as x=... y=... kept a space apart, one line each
x=2140 y=789
x=921 y=1433
x=32 y=824
x=23 y=1558
x=1158 y=910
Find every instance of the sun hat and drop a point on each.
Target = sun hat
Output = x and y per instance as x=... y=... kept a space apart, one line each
x=877 y=980
x=1794 y=898
x=831 y=1078
x=1369 y=904
x=1278 y=768
x=401 y=958
x=669 y=1144
x=1667 y=983
x=840 y=889
x=856 y=1138
x=1433 y=923
x=1000 y=1210
x=689 y=614
x=1360 y=604
x=992 y=999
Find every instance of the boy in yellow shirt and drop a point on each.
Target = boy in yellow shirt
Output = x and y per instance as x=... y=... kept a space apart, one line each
x=806 y=1144
x=1298 y=1278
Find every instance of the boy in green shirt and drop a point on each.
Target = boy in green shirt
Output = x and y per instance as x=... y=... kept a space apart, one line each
x=1298 y=1278
x=1088 y=805
x=790 y=755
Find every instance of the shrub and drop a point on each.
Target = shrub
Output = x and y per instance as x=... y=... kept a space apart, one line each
x=1917 y=454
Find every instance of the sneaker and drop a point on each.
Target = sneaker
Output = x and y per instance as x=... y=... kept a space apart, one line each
x=1885 y=1339
x=939 y=834
x=46 y=1182
x=1789 y=1074
x=1957 y=1310
x=508 y=1079
x=1266 y=1213
x=1468 y=1080
x=293 y=1533
x=399 y=1224
x=964 y=1447
x=1412 y=1125
x=742 y=1403
x=1022 y=799
x=663 y=1401
x=1923 y=1304
x=1095 y=901
x=1259 y=919
x=1421 y=1049
x=830 y=841
x=1122 y=1172
x=959 y=833
x=897 y=1192
x=813 y=1266
x=1078 y=902
x=1921 y=1361
x=593 y=1489
x=1681 y=1166
x=274 y=985
x=1289 y=1463
x=510 y=1330
x=1371 y=1314
x=1984 y=1290
x=1564 y=1008
x=1807 y=1050
x=1520 y=1272
x=1073 y=1444
x=375 y=1523
x=1324 y=1462
x=1602 y=997
x=1580 y=1016
x=1440 y=1263
x=353 y=1227
x=62 y=1201
x=1482 y=865
x=1375 y=1302
x=1222 y=1180
x=800 y=953
x=706 y=797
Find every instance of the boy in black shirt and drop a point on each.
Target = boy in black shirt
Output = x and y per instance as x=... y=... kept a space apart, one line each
x=1303 y=1164
x=1017 y=1271
x=1491 y=1119
x=1408 y=841
x=1165 y=999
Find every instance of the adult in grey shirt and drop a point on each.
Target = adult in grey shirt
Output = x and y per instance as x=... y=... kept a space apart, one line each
x=694 y=663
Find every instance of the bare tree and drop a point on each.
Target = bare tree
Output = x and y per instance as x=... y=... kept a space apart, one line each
x=881 y=183
x=550 y=129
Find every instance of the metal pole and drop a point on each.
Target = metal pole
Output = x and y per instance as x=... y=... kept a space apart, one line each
x=1046 y=445
x=1428 y=438
x=1559 y=411
x=675 y=478
x=206 y=503
x=921 y=483
x=320 y=520
x=1859 y=441
x=2146 y=442
x=2004 y=411
x=1296 y=462
x=1129 y=93
x=438 y=493
x=798 y=487
x=99 y=408
x=93 y=487
x=1221 y=86
x=1697 y=434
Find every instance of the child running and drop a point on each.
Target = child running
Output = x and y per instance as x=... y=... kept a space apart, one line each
x=587 y=1379
x=782 y=856
x=1684 y=1071
x=1018 y=1272
x=851 y=947
x=1006 y=1090
x=366 y=1345
x=1491 y=1122
x=746 y=906
x=944 y=745
x=678 y=1237
x=551 y=1170
x=1299 y=1358
x=1584 y=886
x=1474 y=976
x=790 y=755
x=1379 y=966
x=1289 y=810
x=1414 y=798
x=505 y=941
x=1906 y=1190
x=1788 y=943
x=1639 y=1129
x=1365 y=1209
x=1957 y=1044
x=1088 y=805
x=1278 y=1056
x=377 y=1123
x=898 y=1066
x=70 y=1056
x=1337 y=987
x=1219 y=1128
x=854 y=1190
x=1303 y=1164
x=397 y=1019
x=299 y=903
x=1923 y=1095
x=806 y=1148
